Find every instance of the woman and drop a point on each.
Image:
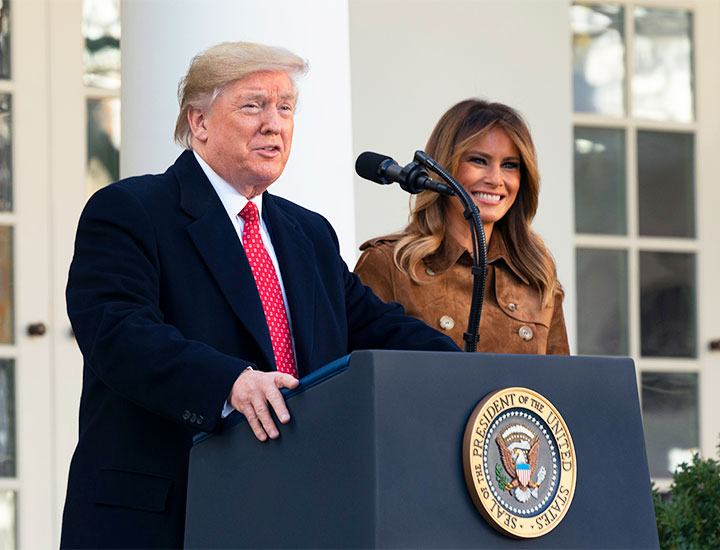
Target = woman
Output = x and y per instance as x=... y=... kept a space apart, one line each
x=427 y=267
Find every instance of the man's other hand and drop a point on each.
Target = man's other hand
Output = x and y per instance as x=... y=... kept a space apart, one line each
x=250 y=395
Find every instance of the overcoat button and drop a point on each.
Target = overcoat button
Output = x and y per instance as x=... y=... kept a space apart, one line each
x=525 y=332
x=446 y=322
x=512 y=307
x=193 y=417
x=200 y=419
x=429 y=271
x=186 y=415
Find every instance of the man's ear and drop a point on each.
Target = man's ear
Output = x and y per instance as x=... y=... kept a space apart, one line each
x=198 y=123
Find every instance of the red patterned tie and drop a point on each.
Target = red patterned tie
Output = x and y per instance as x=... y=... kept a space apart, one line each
x=269 y=289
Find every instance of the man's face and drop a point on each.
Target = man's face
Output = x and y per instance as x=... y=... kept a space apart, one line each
x=246 y=134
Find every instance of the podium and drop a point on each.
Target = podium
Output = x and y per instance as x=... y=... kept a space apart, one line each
x=372 y=458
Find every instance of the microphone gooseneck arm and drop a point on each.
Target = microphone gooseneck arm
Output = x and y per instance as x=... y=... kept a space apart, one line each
x=479 y=268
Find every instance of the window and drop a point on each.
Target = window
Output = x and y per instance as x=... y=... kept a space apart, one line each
x=8 y=458
x=101 y=30
x=635 y=216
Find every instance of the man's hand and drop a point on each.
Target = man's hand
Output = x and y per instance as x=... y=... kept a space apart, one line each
x=250 y=395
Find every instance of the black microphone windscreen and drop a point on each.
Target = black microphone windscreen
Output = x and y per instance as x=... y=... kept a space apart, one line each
x=367 y=165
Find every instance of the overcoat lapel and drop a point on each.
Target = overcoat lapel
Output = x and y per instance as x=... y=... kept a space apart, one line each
x=297 y=260
x=215 y=238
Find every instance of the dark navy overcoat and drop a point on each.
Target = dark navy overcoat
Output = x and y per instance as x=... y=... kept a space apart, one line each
x=167 y=315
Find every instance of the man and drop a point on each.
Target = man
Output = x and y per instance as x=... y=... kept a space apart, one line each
x=194 y=292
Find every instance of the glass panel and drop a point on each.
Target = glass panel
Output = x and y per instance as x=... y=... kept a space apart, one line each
x=600 y=181
x=4 y=38
x=666 y=184
x=6 y=286
x=5 y=153
x=667 y=304
x=101 y=29
x=598 y=44
x=670 y=419
x=7 y=421
x=103 y=118
x=602 y=281
x=663 y=80
x=8 y=523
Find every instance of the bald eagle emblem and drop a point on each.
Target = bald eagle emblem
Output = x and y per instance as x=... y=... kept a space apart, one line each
x=519 y=447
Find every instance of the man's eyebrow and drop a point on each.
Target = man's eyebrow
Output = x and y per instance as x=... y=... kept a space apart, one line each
x=253 y=95
x=262 y=95
x=287 y=95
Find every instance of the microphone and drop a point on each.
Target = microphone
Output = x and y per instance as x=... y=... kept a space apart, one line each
x=384 y=170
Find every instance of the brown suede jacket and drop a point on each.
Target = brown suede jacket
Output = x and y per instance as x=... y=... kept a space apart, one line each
x=513 y=319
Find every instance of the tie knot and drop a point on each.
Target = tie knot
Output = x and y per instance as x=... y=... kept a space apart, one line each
x=249 y=213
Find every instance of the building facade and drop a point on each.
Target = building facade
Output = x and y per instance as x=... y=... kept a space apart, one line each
x=620 y=97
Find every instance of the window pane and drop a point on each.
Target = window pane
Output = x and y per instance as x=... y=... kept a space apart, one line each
x=602 y=280
x=670 y=419
x=4 y=38
x=101 y=29
x=667 y=304
x=666 y=184
x=103 y=118
x=7 y=422
x=600 y=181
x=5 y=153
x=598 y=44
x=6 y=286
x=8 y=523
x=663 y=80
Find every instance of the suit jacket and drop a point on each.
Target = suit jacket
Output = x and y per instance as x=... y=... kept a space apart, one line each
x=167 y=315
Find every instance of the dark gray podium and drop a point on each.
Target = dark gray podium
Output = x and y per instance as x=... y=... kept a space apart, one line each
x=372 y=458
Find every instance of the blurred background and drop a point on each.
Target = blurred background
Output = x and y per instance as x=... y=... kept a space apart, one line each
x=621 y=98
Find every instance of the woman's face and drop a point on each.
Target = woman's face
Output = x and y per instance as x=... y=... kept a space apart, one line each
x=490 y=172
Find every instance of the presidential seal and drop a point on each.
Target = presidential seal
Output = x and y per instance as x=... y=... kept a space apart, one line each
x=519 y=462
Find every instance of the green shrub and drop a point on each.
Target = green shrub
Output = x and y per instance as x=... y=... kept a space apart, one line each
x=689 y=516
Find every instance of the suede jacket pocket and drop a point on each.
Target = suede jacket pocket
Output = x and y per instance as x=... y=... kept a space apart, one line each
x=132 y=490
x=520 y=301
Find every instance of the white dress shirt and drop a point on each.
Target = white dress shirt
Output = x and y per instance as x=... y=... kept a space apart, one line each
x=234 y=202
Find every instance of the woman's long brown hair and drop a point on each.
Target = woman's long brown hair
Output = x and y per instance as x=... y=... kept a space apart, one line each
x=460 y=127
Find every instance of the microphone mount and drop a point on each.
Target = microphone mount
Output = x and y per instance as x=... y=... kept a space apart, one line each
x=412 y=178
x=479 y=267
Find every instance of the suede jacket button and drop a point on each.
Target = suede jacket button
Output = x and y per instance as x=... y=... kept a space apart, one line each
x=525 y=332
x=447 y=322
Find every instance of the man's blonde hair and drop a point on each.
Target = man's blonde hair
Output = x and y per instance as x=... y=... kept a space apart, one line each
x=211 y=71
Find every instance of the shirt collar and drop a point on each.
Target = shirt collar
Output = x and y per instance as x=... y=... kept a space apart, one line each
x=452 y=252
x=230 y=197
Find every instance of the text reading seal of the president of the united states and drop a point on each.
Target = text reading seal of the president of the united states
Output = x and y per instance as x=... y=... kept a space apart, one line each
x=519 y=462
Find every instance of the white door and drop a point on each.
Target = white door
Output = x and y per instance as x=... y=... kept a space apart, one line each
x=26 y=390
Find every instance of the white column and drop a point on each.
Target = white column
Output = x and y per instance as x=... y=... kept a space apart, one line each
x=161 y=36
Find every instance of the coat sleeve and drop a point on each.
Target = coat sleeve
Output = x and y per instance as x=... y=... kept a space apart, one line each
x=375 y=268
x=557 y=334
x=373 y=324
x=113 y=300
